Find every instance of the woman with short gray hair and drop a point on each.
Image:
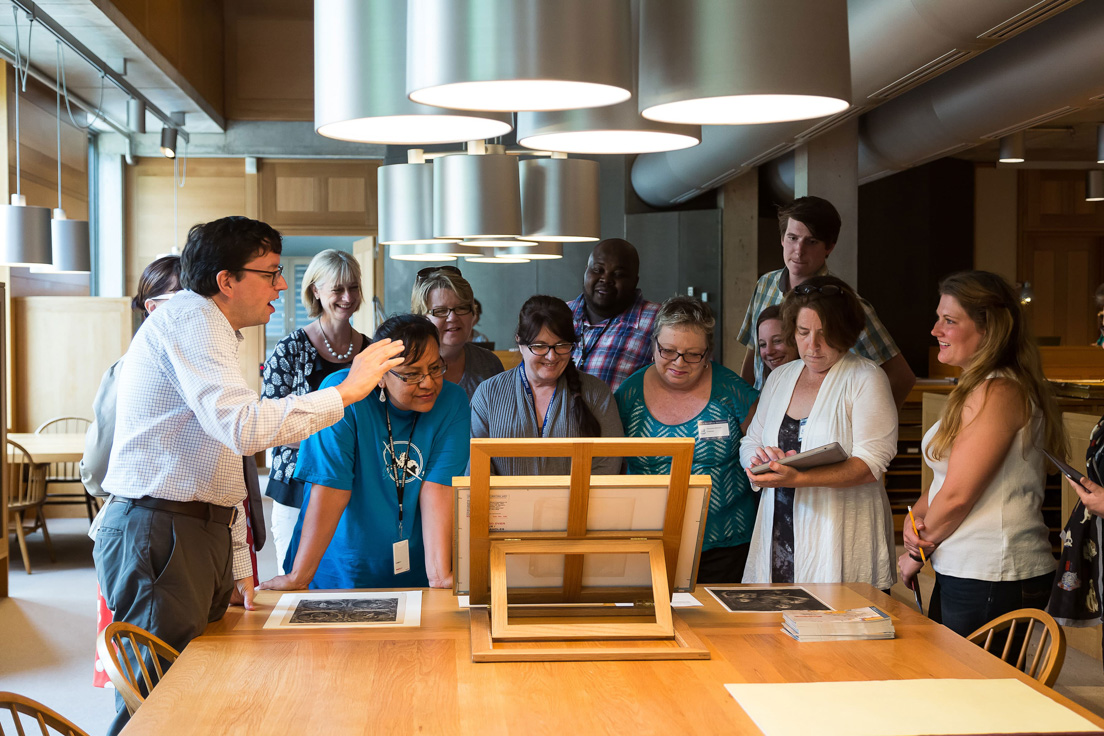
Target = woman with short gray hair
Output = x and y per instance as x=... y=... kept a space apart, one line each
x=685 y=394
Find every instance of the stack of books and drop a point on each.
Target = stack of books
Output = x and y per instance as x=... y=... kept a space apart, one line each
x=857 y=623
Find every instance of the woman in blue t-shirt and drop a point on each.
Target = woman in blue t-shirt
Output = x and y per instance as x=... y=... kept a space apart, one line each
x=685 y=394
x=378 y=509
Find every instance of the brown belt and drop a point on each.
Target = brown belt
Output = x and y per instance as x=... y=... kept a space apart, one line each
x=198 y=509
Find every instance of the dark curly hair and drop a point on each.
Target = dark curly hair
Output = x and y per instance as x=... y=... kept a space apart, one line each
x=224 y=245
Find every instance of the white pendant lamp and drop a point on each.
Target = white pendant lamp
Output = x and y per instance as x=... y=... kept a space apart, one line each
x=517 y=54
x=428 y=252
x=1094 y=185
x=616 y=129
x=69 y=239
x=483 y=243
x=24 y=231
x=492 y=256
x=730 y=62
x=538 y=252
x=360 y=81
x=477 y=194
x=1012 y=148
x=559 y=199
x=405 y=196
x=1100 y=144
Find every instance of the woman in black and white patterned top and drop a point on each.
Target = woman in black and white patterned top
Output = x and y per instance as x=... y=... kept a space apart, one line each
x=330 y=293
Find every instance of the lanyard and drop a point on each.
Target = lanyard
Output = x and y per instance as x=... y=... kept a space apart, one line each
x=398 y=468
x=529 y=393
x=585 y=349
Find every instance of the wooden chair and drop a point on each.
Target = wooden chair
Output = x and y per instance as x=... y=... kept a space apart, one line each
x=1050 y=649
x=130 y=672
x=45 y=718
x=26 y=484
x=67 y=473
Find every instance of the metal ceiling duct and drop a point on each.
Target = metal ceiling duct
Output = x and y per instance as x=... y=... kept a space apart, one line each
x=896 y=45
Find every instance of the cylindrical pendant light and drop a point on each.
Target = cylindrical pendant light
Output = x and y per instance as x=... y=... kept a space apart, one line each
x=1100 y=144
x=476 y=196
x=168 y=141
x=618 y=129
x=483 y=243
x=24 y=234
x=429 y=252
x=559 y=199
x=538 y=252
x=492 y=256
x=136 y=115
x=728 y=62
x=517 y=54
x=405 y=196
x=360 y=81
x=1094 y=185
x=1012 y=148
x=70 y=245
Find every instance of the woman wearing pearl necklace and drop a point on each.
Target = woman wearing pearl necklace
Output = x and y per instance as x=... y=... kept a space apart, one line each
x=331 y=294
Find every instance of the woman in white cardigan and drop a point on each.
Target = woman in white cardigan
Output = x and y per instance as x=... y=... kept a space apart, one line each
x=830 y=524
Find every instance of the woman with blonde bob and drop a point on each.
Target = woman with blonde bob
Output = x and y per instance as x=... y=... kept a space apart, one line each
x=981 y=521
x=300 y=362
x=444 y=296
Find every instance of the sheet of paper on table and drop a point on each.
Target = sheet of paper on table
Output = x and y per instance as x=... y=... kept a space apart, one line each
x=875 y=707
x=347 y=610
x=678 y=600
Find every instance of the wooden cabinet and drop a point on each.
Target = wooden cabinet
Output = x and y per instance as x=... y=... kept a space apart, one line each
x=319 y=197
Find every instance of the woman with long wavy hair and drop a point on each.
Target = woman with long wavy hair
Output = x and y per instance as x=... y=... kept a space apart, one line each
x=981 y=520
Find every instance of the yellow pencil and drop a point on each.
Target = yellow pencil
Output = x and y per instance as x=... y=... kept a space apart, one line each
x=913 y=520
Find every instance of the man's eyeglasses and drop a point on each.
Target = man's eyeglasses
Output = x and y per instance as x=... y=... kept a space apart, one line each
x=672 y=355
x=274 y=275
x=425 y=273
x=561 y=348
x=432 y=372
x=461 y=311
x=826 y=289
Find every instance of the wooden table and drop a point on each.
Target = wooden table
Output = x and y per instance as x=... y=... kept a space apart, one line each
x=241 y=679
x=67 y=447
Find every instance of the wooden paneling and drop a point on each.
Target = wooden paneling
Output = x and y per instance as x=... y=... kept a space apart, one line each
x=269 y=59
x=3 y=444
x=188 y=34
x=213 y=188
x=1064 y=269
x=1078 y=428
x=1055 y=200
x=62 y=346
x=1060 y=363
x=304 y=197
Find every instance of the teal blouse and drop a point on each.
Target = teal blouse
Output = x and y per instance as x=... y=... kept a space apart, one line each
x=732 y=504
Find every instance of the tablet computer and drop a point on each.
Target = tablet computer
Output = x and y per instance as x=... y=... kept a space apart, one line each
x=823 y=455
x=1066 y=470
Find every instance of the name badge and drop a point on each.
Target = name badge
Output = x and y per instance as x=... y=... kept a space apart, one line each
x=707 y=430
x=400 y=552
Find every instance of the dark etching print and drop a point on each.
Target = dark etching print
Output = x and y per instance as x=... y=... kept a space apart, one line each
x=346 y=611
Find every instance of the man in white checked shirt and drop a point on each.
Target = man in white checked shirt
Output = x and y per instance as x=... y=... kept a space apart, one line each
x=171 y=551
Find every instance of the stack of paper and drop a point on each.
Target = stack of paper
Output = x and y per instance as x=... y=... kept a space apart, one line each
x=857 y=623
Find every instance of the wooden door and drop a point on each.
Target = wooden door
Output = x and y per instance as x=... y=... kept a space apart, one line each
x=1064 y=270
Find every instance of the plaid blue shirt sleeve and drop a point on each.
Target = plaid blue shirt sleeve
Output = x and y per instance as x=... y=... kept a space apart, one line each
x=185 y=415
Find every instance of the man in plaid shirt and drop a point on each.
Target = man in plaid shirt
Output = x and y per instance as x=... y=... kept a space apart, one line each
x=613 y=321
x=810 y=227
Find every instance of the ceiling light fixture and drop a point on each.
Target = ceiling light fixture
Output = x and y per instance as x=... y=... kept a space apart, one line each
x=24 y=231
x=168 y=141
x=136 y=115
x=477 y=194
x=615 y=129
x=428 y=252
x=703 y=61
x=497 y=243
x=1100 y=144
x=491 y=257
x=360 y=81
x=69 y=238
x=1094 y=185
x=1012 y=148
x=559 y=199
x=537 y=252
x=511 y=55
x=406 y=201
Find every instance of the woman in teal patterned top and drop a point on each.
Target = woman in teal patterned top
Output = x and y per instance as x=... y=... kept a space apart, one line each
x=685 y=394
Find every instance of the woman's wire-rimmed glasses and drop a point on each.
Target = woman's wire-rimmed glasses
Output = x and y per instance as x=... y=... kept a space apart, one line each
x=432 y=372
x=561 y=348
x=274 y=275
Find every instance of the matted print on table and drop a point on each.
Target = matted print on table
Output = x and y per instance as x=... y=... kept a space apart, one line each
x=346 y=609
x=749 y=599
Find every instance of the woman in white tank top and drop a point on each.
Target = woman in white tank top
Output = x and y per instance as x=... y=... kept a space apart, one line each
x=981 y=520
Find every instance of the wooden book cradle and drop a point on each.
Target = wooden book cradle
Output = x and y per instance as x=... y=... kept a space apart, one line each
x=577 y=622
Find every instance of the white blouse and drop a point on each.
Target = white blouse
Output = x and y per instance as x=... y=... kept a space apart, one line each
x=841 y=535
x=1004 y=537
